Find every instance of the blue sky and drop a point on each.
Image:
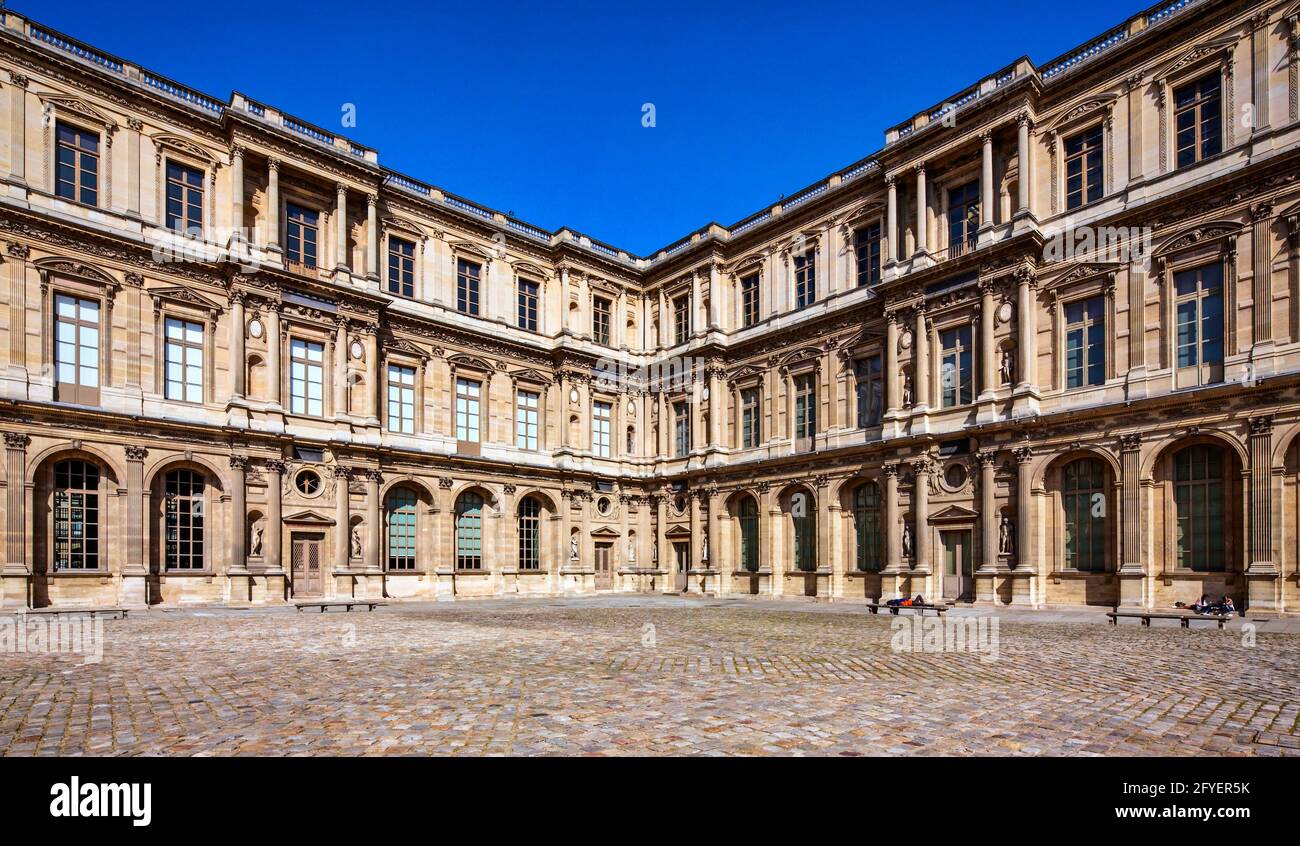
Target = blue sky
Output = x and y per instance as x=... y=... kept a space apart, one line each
x=536 y=109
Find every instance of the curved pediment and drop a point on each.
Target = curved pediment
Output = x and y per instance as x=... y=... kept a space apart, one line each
x=1198 y=234
x=182 y=145
x=71 y=267
x=1083 y=108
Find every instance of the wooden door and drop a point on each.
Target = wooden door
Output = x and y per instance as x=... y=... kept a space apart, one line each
x=957 y=576
x=604 y=576
x=682 y=555
x=307 y=565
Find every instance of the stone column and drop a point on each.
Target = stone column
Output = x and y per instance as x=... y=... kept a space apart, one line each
x=716 y=560
x=374 y=519
x=893 y=543
x=1131 y=505
x=238 y=515
x=717 y=406
x=922 y=468
x=715 y=297
x=273 y=343
x=342 y=519
x=371 y=405
x=372 y=239
x=696 y=532
x=238 y=360
x=825 y=558
x=237 y=193
x=986 y=180
x=273 y=205
x=136 y=499
x=17 y=128
x=661 y=557
x=1023 y=154
x=988 y=461
x=1024 y=509
x=1133 y=87
x=988 y=364
x=891 y=222
x=341 y=228
x=133 y=181
x=1027 y=335
x=16 y=528
x=922 y=211
x=272 y=538
x=340 y=366
x=1261 y=248
x=1260 y=72
x=1261 y=496
x=891 y=362
x=698 y=318
x=921 y=359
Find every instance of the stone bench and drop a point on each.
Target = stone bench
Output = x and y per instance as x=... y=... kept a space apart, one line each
x=348 y=604
x=876 y=607
x=1147 y=616
x=113 y=612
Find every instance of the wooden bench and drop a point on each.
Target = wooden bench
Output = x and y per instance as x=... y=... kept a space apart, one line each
x=349 y=604
x=113 y=612
x=876 y=607
x=1147 y=616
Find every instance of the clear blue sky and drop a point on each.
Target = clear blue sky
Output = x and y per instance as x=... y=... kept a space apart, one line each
x=536 y=108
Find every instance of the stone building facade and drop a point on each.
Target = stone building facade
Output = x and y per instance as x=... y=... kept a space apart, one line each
x=1041 y=348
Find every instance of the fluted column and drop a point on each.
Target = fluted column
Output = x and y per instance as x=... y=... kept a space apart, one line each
x=238 y=360
x=374 y=520
x=697 y=535
x=273 y=344
x=986 y=180
x=16 y=528
x=891 y=362
x=893 y=541
x=372 y=238
x=238 y=515
x=922 y=211
x=716 y=560
x=891 y=222
x=988 y=365
x=717 y=406
x=1023 y=156
x=988 y=460
x=17 y=128
x=921 y=357
x=1027 y=335
x=922 y=468
x=374 y=385
x=661 y=558
x=273 y=205
x=342 y=518
x=237 y=192
x=272 y=537
x=1024 y=508
x=1131 y=504
x=136 y=497
x=1261 y=496
x=1262 y=251
x=341 y=367
x=715 y=297
x=341 y=228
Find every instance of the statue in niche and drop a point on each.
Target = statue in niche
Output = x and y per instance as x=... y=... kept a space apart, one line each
x=1006 y=536
x=654 y=551
x=255 y=548
x=907 y=389
x=631 y=549
x=356 y=541
x=704 y=549
x=573 y=548
x=1007 y=369
x=907 y=540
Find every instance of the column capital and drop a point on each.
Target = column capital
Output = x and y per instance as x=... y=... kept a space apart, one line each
x=987 y=457
x=342 y=472
x=17 y=440
x=18 y=79
x=890 y=469
x=273 y=164
x=1262 y=425
x=276 y=465
x=136 y=453
x=340 y=188
x=239 y=462
x=1023 y=454
x=1131 y=442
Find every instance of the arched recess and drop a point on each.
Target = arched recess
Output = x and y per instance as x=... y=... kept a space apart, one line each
x=187 y=527
x=408 y=527
x=1081 y=523
x=536 y=533
x=799 y=512
x=470 y=538
x=863 y=505
x=77 y=517
x=744 y=538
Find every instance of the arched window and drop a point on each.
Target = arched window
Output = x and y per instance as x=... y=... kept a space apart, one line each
x=866 y=523
x=469 y=531
x=76 y=516
x=1199 y=501
x=1083 y=498
x=749 y=535
x=805 y=531
x=183 y=520
x=400 y=508
x=530 y=534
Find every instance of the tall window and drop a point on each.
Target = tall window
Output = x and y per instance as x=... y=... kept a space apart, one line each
x=1083 y=498
x=804 y=515
x=184 y=352
x=866 y=248
x=955 y=368
x=963 y=217
x=1083 y=167
x=400 y=509
x=1085 y=343
x=600 y=317
x=78 y=164
x=869 y=386
x=805 y=410
x=401 y=267
x=600 y=418
x=306 y=377
x=401 y=399
x=749 y=535
x=526 y=403
x=76 y=349
x=469 y=531
x=749 y=299
x=467 y=413
x=682 y=319
x=76 y=516
x=1198 y=119
x=805 y=279
x=467 y=279
x=526 y=292
x=867 y=525
x=183 y=520
x=1198 y=310
x=750 y=434
x=301 y=235
x=682 y=429
x=530 y=534
x=1199 y=499
x=184 y=199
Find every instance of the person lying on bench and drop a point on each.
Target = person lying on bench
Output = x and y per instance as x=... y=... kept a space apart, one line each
x=1199 y=608
x=1223 y=606
x=906 y=602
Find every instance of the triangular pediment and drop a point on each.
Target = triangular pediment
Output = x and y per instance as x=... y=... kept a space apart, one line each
x=186 y=297
x=309 y=518
x=182 y=145
x=78 y=107
x=1196 y=54
x=678 y=532
x=605 y=532
x=954 y=514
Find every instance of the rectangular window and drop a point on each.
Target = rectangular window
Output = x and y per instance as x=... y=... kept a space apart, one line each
x=749 y=421
x=805 y=410
x=401 y=267
x=467 y=413
x=805 y=279
x=306 y=377
x=185 y=199
x=1198 y=310
x=600 y=317
x=600 y=414
x=301 y=235
x=682 y=319
x=1085 y=343
x=527 y=294
x=1198 y=119
x=78 y=164
x=184 y=353
x=866 y=247
x=870 y=390
x=955 y=367
x=401 y=399
x=467 y=278
x=526 y=403
x=1083 y=167
x=76 y=349
x=749 y=299
x=682 y=429
x=963 y=218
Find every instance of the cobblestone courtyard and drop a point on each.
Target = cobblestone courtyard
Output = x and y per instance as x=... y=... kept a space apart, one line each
x=591 y=677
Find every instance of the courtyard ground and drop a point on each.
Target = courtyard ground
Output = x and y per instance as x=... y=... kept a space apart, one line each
x=643 y=675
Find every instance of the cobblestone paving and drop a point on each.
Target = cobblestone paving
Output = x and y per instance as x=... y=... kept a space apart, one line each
x=585 y=677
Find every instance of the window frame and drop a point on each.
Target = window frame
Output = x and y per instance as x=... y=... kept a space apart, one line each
x=302 y=264
x=527 y=304
x=414 y=388
x=407 y=532
x=1101 y=346
x=307 y=342
x=965 y=356
x=602 y=318
x=528 y=534
x=185 y=344
x=1196 y=107
x=533 y=442
x=469 y=287
x=397 y=256
x=186 y=188
x=1084 y=159
x=75 y=393
x=169 y=497
x=681 y=318
x=78 y=154
x=476 y=526
x=750 y=299
x=601 y=428
x=874 y=250
x=804 y=270
x=102 y=564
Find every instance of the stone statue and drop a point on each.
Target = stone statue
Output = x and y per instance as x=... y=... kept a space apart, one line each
x=704 y=549
x=255 y=548
x=1006 y=536
x=631 y=550
x=654 y=551
x=356 y=541
x=573 y=548
x=907 y=541
x=907 y=389
x=1008 y=367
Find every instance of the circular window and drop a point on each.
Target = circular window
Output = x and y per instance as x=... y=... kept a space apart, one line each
x=603 y=505
x=955 y=476
x=679 y=505
x=307 y=482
